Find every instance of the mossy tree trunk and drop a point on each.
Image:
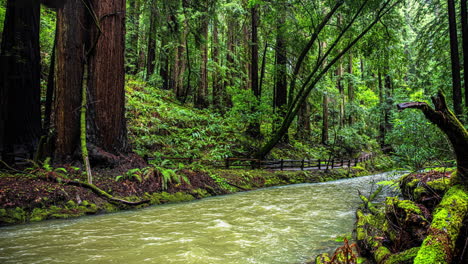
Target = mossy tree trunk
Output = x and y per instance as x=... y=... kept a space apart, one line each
x=451 y=126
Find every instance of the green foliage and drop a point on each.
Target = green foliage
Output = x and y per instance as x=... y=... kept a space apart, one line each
x=417 y=143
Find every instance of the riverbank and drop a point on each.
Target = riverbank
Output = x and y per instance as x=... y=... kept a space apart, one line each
x=44 y=192
x=425 y=224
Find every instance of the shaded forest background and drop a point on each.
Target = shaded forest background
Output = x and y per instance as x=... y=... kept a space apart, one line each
x=211 y=79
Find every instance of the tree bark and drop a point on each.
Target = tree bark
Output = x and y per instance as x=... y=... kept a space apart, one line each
x=281 y=83
x=451 y=126
x=218 y=89
x=151 y=54
x=107 y=78
x=201 y=100
x=350 y=89
x=20 y=113
x=325 y=120
x=455 y=59
x=464 y=26
x=254 y=127
x=71 y=52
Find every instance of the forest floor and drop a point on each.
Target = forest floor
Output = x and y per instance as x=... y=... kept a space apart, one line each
x=44 y=193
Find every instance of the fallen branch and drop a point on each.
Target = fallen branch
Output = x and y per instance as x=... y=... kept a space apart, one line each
x=99 y=192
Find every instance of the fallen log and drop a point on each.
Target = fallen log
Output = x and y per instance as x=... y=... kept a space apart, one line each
x=440 y=244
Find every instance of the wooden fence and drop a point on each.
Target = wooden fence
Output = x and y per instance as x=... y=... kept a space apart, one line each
x=281 y=164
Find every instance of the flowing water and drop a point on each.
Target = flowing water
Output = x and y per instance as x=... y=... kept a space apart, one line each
x=275 y=225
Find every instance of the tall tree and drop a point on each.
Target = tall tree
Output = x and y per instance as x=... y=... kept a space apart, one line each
x=281 y=83
x=201 y=99
x=20 y=114
x=455 y=59
x=254 y=126
x=106 y=108
x=464 y=27
x=151 y=53
x=71 y=56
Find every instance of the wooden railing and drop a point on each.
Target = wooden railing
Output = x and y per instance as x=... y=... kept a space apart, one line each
x=281 y=164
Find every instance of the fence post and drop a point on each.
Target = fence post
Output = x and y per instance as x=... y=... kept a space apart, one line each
x=281 y=164
x=302 y=164
x=333 y=163
x=227 y=163
x=319 y=161
x=342 y=162
x=349 y=163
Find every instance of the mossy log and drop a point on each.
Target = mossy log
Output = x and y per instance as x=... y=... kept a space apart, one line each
x=448 y=217
x=451 y=126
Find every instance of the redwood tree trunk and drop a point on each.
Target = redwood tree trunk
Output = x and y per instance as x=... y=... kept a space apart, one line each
x=281 y=91
x=69 y=78
x=455 y=59
x=151 y=59
x=107 y=78
x=20 y=113
x=201 y=100
x=464 y=26
x=254 y=127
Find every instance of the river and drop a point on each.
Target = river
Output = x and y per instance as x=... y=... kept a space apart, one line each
x=285 y=224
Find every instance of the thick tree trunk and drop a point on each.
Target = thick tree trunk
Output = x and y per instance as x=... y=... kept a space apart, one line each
x=453 y=129
x=20 y=113
x=107 y=78
x=455 y=59
x=71 y=52
x=464 y=26
x=281 y=89
x=254 y=127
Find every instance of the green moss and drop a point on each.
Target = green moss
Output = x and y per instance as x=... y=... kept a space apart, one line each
x=200 y=193
x=404 y=257
x=38 y=214
x=322 y=259
x=445 y=227
x=381 y=254
x=70 y=204
x=451 y=211
x=431 y=251
x=109 y=208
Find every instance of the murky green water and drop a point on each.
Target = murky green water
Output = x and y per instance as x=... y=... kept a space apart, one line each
x=277 y=225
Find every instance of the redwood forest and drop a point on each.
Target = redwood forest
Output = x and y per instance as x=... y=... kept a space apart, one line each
x=234 y=131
